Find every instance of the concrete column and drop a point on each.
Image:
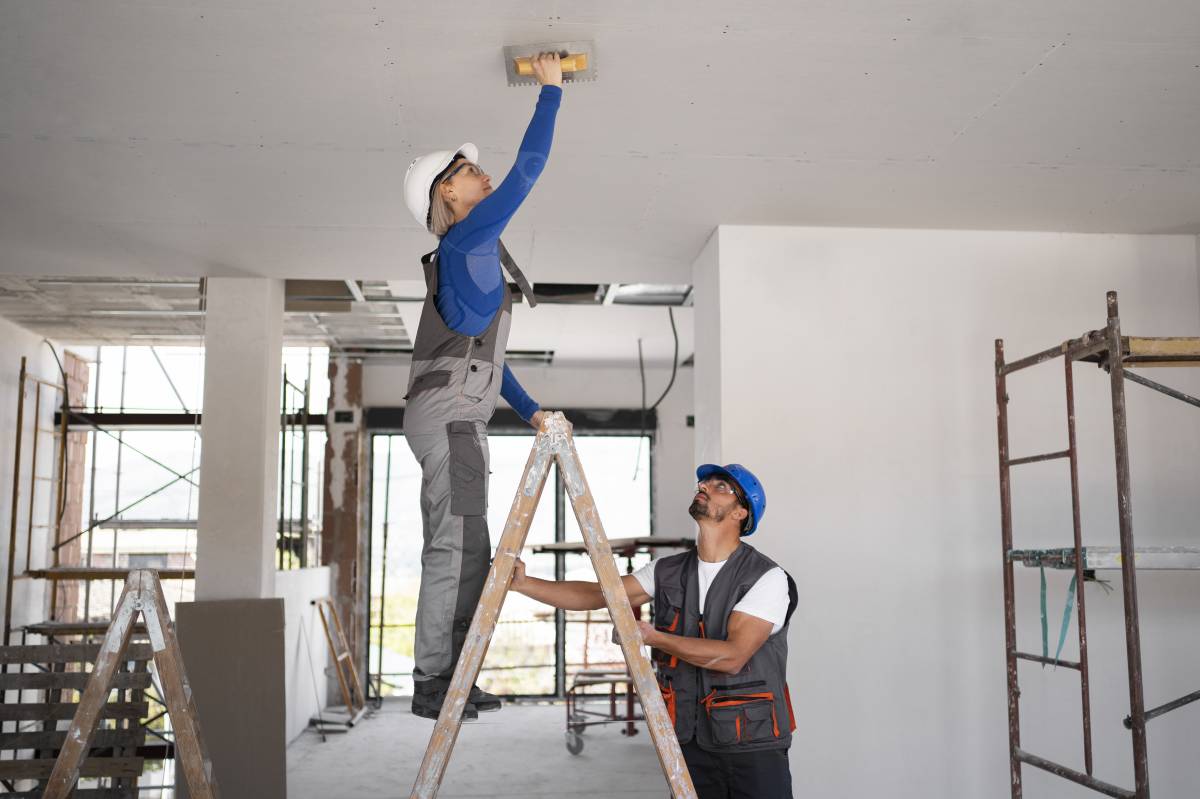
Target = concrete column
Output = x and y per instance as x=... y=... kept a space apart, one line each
x=345 y=539
x=235 y=628
x=239 y=462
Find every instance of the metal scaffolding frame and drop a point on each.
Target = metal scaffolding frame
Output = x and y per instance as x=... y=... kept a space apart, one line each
x=296 y=535
x=298 y=539
x=1114 y=353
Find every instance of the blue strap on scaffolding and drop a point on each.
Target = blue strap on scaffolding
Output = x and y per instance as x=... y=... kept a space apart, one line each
x=1066 y=620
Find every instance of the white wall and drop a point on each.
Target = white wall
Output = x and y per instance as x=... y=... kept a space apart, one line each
x=855 y=376
x=306 y=652
x=30 y=597
x=384 y=384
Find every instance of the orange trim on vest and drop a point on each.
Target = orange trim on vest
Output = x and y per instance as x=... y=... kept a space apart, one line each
x=787 y=695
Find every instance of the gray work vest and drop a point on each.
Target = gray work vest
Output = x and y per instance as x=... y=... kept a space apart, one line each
x=742 y=712
x=455 y=376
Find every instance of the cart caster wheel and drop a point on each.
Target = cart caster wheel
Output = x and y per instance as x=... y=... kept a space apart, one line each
x=574 y=742
x=576 y=724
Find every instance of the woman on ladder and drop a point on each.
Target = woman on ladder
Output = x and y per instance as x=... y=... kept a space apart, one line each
x=458 y=371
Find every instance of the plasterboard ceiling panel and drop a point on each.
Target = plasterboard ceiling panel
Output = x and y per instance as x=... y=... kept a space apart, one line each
x=931 y=195
x=1163 y=20
x=1092 y=104
x=782 y=93
x=209 y=184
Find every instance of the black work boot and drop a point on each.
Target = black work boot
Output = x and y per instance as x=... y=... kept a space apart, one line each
x=483 y=701
x=428 y=697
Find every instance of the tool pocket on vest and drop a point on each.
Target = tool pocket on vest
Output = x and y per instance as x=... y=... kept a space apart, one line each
x=671 y=624
x=468 y=472
x=742 y=718
x=478 y=380
x=760 y=722
x=726 y=725
x=668 y=695
x=435 y=379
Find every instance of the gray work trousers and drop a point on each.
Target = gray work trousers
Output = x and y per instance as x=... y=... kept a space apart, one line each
x=456 y=554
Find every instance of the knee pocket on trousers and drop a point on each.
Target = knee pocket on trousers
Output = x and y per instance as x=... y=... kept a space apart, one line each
x=468 y=471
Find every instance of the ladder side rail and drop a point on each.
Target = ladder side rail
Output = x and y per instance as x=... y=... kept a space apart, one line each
x=666 y=744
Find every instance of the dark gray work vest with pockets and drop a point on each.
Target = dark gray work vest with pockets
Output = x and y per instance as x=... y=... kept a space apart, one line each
x=742 y=712
x=456 y=377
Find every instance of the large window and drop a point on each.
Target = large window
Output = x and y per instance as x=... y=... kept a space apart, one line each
x=526 y=653
x=142 y=470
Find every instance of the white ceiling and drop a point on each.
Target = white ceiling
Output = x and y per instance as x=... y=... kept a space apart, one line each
x=270 y=138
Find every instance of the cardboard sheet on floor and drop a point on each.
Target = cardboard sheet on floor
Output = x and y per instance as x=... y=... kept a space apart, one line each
x=234 y=654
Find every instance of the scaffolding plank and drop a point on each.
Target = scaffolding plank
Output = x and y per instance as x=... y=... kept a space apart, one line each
x=1109 y=558
x=1173 y=351
x=148 y=524
x=103 y=573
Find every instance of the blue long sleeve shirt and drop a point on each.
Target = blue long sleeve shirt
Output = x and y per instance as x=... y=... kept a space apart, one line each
x=470 y=282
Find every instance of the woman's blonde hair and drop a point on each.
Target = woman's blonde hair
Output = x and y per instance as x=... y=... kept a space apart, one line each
x=441 y=215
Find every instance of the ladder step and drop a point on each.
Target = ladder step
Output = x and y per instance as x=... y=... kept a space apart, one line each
x=1049 y=456
x=59 y=629
x=1066 y=664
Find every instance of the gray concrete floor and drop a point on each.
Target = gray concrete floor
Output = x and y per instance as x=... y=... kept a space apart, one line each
x=517 y=751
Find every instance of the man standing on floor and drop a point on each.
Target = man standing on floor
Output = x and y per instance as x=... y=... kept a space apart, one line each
x=719 y=640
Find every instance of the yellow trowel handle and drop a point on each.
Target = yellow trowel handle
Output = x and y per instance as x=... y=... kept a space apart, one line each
x=575 y=62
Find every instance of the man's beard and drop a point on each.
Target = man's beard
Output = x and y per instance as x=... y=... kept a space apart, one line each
x=703 y=510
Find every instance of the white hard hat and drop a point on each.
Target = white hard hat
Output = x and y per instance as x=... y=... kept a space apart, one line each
x=421 y=173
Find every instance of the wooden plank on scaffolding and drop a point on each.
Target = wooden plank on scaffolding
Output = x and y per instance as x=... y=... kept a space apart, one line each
x=142 y=596
x=554 y=443
x=1174 y=351
x=1109 y=558
x=102 y=573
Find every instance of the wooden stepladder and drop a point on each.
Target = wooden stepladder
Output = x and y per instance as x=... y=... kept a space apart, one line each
x=143 y=595
x=343 y=661
x=554 y=444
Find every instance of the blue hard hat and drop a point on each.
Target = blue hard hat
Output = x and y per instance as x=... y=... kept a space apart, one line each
x=751 y=488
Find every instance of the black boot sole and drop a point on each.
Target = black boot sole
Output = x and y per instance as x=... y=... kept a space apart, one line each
x=469 y=712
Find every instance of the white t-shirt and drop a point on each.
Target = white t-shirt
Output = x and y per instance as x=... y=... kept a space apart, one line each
x=767 y=599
